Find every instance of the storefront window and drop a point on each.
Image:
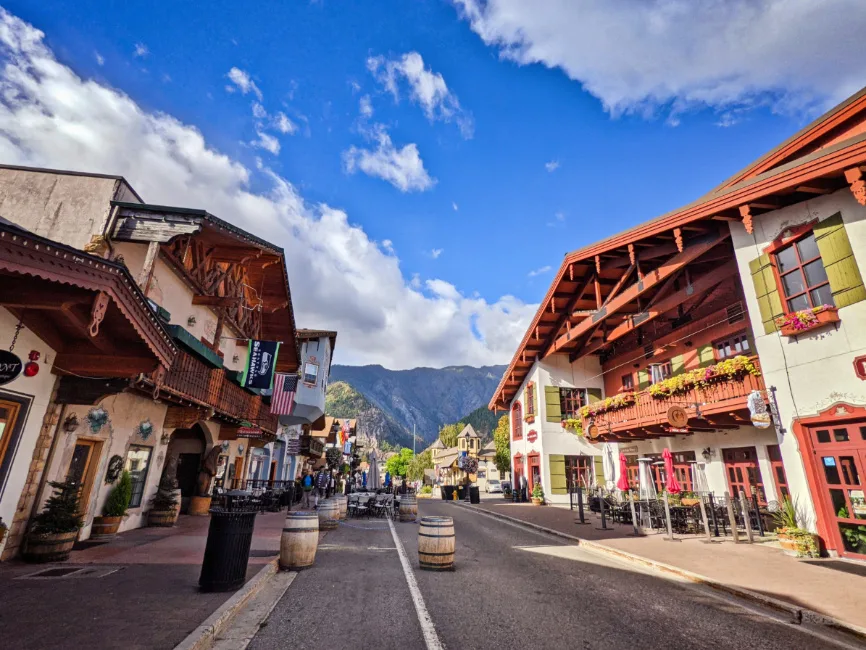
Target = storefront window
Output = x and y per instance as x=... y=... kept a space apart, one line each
x=137 y=464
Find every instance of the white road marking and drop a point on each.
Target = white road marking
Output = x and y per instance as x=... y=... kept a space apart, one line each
x=427 y=627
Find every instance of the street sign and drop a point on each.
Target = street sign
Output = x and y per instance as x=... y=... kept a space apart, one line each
x=860 y=367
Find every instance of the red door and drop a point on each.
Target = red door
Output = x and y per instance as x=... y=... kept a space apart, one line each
x=534 y=470
x=518 y=472
x=744 y=475
x=775 y=454
x=840 y=452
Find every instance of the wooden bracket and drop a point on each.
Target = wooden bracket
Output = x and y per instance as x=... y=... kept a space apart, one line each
x=678 y=238
x=598 y=264
x=746 y=213
x=854 y=177
x=631 y=253
x=97 y=312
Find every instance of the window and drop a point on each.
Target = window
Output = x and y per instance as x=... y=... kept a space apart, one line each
x=311 y=373
x=516 y=421
x=660 y=371
x=628 y=382
x=570 y=401
x=802 y=277
x=530 y=400
x=137 y=464
x=732 y=346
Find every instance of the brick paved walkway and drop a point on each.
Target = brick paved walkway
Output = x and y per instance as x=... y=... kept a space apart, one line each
x=139 y=591
x=762 y=568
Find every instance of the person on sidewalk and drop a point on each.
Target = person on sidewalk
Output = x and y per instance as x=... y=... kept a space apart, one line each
x=308 y=486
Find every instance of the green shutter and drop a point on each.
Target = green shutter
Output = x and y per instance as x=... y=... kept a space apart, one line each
x=678 y=365
x=599 y=470
x=593 y=395
x=766 y=291
x=557 y=474
x=552 y=408
x=706 y=356
x=643 y=379
x=838 y=257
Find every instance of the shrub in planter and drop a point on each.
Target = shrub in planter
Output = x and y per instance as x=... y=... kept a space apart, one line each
x=114 y=509
x=54 y=530
x=165 y=503
x=793 y=539
x=537 y=494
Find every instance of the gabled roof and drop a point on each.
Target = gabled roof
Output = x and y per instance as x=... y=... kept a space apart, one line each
x=438 y=444
x=468 y=432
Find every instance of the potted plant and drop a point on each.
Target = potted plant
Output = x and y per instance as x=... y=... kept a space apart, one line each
x=795 y=541
x=689 y=499
x=799 y=322
x=114 y=509
x=166 y=504
x=54 y=530
x=537 y=495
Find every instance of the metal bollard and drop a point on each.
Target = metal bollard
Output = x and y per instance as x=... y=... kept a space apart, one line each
x=670 y=537
x=635 y=526
x=601 y=507
x=732 y=518
x=758 y=514
x=746 y=517
x=580 y=507
x=706 y=523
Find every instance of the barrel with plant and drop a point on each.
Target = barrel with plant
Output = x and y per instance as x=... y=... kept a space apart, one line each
x=54 y=530
x=114 y=509
x=165 y=503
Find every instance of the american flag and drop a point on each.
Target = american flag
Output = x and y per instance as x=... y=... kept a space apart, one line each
x=283 y=398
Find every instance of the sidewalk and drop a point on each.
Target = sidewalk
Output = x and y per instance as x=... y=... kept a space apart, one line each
x=139 y=590
x=833 y=588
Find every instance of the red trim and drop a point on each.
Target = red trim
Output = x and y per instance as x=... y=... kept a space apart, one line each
x=517 y=421
x=796 y=233
x=533 y=460
x=773 y=251
x=826 y=519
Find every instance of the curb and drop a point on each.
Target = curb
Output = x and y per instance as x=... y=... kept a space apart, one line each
x=799 y=614
x=204 y=635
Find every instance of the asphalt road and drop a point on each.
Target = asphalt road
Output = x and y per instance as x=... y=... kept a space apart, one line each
x=512 y=588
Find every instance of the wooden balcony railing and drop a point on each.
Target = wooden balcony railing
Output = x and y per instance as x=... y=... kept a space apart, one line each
x=198 y=382
x=720 y=397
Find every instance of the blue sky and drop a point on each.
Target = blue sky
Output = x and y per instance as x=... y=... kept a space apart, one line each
x=546 y=129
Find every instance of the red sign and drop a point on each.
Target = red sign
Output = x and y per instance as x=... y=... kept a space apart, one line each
x=532 y=436
x=249 y=432
x=860 y=367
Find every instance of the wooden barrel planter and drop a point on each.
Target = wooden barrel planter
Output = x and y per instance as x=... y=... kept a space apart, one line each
x=343 y=502
x=199 y=506
x=104 y=527
x=329 y=514
x=408 y=507
x=49 y=547
x=299 y=540
x=162 y=518
x=436 y=543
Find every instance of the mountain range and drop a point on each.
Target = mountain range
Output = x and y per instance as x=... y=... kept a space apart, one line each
x=388 y=403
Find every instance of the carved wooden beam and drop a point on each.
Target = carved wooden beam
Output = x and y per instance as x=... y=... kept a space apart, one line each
x=97 y=312
x=678 y=239
x=567 y=313
x=854 y=177
x=652 y=280
x=817 y=186
x=597 y=264
x=746 y=213
x=216 y=301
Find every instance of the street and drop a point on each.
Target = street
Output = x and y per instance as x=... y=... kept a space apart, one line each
x=512 y=587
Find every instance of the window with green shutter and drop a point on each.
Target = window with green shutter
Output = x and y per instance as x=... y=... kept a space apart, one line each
x=846 y=283
x=678 y=365
x=552 y=408
x=706 y=357
x=558 y=484
x=643 y=379
x=599 y=470
x=593 y=395
x=766 y=291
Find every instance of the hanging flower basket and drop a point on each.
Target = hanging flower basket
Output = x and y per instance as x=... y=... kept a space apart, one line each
x=621 y=401
x=799 y=322
x=574 y=425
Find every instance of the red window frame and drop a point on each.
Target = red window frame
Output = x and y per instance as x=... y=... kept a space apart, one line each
x=517 y=421
x=628 y=382
x=797 y=235
x=774 y=453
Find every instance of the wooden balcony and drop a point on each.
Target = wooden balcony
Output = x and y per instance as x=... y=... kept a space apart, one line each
x=192 y=380
x=719 y=406
x=312 y=446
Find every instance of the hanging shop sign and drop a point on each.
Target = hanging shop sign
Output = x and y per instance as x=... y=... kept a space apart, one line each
x=760 y=415
x=261 y=360
x=249 y=432
x=10 y=367
x=677 y=417
x=860 y=367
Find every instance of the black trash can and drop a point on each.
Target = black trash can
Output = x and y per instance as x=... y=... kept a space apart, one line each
x=461 y=492
x=448 y=491
x=474 y=494
x=224 y=567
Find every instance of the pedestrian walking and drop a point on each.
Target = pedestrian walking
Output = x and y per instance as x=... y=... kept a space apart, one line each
x=308 y=487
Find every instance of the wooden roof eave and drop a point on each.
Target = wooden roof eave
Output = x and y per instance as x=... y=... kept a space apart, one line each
x=833 y=160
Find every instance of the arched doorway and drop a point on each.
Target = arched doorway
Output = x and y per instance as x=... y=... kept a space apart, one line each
x=187 y=447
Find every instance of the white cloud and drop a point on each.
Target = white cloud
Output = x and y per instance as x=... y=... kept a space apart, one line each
x=388 y=246
x=259 y=111
x=792 y=55
x=141 y=50
x=426 y=88
x=340 y=278
x=403 y=168
x=243 y=82
x=100 y=60
x=541 y=271
x=267 y=142
x=551 y=166
x=436 y=252
x=365 y=106
x=455 y=206
x=284 y=125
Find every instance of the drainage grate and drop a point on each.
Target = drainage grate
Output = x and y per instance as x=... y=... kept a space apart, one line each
x=59 y=572
x=66 y=572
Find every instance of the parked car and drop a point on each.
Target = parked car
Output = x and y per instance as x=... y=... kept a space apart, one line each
x=494 y=486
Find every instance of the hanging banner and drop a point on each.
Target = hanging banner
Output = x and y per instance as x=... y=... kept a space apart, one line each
x=10 y=367
x=758 y=410
x=261 y=360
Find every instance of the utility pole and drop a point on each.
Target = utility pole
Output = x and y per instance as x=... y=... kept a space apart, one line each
x=413 y=438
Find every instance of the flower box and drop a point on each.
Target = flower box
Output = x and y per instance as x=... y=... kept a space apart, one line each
x=800 y=322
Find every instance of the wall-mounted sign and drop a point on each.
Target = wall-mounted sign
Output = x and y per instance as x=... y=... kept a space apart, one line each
x=760 y=415
x=860 y=367
x=677 y=417
x=249 y=432
x=10 y=367
x=532 y=436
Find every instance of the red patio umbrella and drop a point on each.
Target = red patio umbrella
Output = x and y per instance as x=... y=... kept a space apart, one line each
x=622 y=482
x=671 y=485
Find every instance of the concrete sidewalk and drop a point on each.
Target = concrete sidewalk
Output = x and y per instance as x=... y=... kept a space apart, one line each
x=833 y=588
x=139 y=590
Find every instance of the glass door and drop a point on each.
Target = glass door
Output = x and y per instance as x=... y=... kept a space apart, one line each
x=744 y=475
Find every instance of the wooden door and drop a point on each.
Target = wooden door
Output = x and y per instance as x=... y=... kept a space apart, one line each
x=8 y=416
x=775 y=455
x=82 y=469
x=534 y=471
x=744 y=475
x=187 y=477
